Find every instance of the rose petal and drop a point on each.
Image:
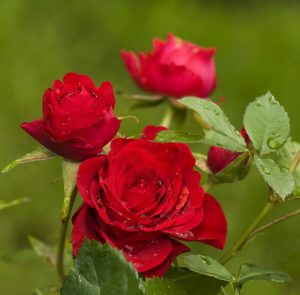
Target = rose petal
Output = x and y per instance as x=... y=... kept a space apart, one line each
x=159 y=271
x=107 y=92
x=88 y=172
x=84 y=227
x=150 y=131
x=213 y=228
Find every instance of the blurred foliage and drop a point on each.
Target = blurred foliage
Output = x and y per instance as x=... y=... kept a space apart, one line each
x=258 y=50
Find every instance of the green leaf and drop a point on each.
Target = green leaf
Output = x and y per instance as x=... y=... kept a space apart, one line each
x=101 y=270
x=236 y=170
x=267 y=124
x=158 y=286
x=179 y=117
x=70 y=170
x=7 y=204
x=205 y=265
x=277 y=177
x=42 y=250
x=39 y=154
x=217 y=128
x=177 y=136
x=285 y=157
x=194 y=283
x=249 y=272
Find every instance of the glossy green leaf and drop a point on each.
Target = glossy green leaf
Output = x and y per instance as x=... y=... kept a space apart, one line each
x=158 y=286
x=205 y=265
x=194 y=283
x=39 y=154
x=42 y=250
x=100 y=269
x=285 y=157
x=8 y=204
x=177 y=136
x=216 y=126
x=277 y=177
x=267 y=124
x=70 y=170
x=236 y=170
x=249 y=272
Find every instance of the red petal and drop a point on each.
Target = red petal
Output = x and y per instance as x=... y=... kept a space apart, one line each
x=88 y=171
x=158 y=271
x=149 y=132
x=219 y=158
x=84 y=227
x=152 y=254
x=213 y=229
x=107 y=92
x=131 y=61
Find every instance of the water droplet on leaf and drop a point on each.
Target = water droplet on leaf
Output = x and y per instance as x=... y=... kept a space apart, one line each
x=275 y=142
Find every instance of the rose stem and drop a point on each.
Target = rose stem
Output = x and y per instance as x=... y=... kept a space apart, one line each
x=168 y=116
x=62 y=238
x=208 y=185
x=273 y=222
x=237 y=246
x=295 y=162
x=251 y=229
x=140 y=96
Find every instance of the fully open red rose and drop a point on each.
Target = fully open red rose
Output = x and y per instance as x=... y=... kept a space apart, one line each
x=78 y=117
x=219 y=158
x=142 y=198
x=175 y=68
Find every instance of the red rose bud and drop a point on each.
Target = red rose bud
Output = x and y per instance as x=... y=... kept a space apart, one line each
x=175 y=68
x=78 y=118
x=142 y=198
x=218 y=158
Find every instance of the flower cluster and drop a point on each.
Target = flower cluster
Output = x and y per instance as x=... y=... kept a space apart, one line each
x=142 y=196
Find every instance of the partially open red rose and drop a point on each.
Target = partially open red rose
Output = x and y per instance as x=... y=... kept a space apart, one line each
x=78 y=118
x=219 y=158
x=142 y=197
x=175 y=68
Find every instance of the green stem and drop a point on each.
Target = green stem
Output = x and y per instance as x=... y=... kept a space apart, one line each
x=273 y=222
x=63 y=236
x=208 y=185
x=140 y=96
x=240 y=243
x=168 y=116
x=295 y=162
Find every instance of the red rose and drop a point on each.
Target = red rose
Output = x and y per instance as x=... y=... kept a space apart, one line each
x=175 y=68
x=142 y=198
x=78 y=118
x=219 y=158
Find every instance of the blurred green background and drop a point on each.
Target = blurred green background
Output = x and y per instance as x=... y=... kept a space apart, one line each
x=258 y=49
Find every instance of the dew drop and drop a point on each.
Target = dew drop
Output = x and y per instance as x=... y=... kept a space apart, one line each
x=186 y=235
x=217 y=113
x=275 y=142
x=272 y=100
x=283 y=169
x=266 y=170
x=205 y=260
